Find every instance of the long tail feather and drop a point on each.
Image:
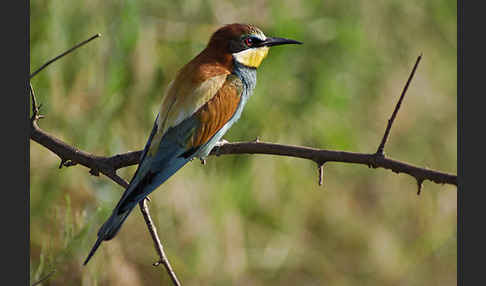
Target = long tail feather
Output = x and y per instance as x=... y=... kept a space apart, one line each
x=93 y=250
x=150 y=174
x=110 y=228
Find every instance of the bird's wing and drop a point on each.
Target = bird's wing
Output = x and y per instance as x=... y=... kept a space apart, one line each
x=217 y=112
x=191 y=89
x=175 y=138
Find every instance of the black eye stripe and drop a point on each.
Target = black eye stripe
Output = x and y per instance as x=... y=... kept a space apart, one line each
x=252 y=41
x=240 y=44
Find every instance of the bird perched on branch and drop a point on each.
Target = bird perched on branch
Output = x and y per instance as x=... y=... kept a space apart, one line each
x=206 y=97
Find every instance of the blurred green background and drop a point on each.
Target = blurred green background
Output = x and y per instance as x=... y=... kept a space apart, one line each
x=241 y=219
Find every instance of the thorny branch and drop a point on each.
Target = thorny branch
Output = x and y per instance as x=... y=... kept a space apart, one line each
x=63 y=54
x=108 y=166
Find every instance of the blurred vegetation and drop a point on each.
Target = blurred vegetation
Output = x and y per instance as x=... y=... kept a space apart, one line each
x=251 y=220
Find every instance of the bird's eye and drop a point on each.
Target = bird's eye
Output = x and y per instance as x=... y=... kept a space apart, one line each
x=249 y=41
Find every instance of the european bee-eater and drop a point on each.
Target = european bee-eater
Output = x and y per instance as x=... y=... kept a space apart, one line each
x=206 y=97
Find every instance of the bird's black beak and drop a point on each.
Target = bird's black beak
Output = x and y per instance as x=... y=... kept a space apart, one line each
x=274 y=41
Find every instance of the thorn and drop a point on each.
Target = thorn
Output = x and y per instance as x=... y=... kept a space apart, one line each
x=94 y=172
x=62 y=163
x=419 y=186
x=320 y=168
x=157 y=263
x=203 y=161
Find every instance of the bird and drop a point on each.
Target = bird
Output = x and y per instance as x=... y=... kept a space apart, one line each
x=205 y=98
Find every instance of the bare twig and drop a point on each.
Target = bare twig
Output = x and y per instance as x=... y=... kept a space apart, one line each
x=153 y=232
x=379 y=152
x=63 y=54
x=158 y=245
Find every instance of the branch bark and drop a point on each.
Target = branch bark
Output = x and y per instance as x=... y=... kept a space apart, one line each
x=322 y=156
x=109 y=165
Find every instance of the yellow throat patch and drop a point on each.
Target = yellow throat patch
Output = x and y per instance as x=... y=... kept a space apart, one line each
x=251 y=57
